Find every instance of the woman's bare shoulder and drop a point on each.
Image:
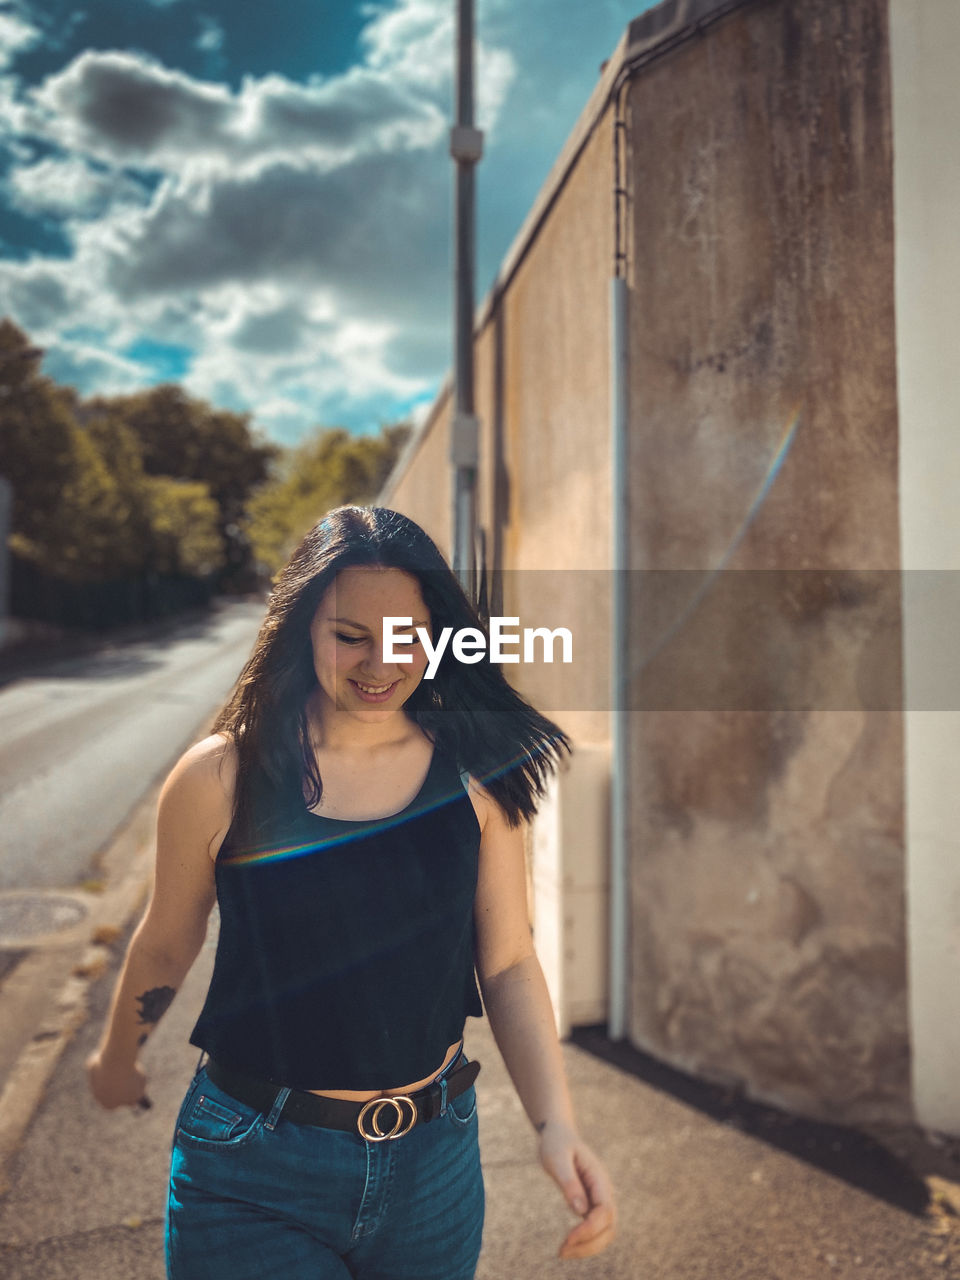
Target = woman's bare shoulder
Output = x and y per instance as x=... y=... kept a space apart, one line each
x=209 y=763
x=485 y=805
x=200 y=788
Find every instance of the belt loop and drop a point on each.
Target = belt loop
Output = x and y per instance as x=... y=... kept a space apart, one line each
x=443 y=1095
x=278 y=1104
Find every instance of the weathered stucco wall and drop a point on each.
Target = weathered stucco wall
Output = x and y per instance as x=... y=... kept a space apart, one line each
x=766 y=761
x=542 y=397
x=422 y=489
x=767 y=795
x=544 y=387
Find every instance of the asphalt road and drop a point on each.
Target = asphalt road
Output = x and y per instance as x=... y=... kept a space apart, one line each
x=81 y=742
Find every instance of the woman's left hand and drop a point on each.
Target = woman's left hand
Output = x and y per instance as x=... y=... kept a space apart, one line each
x=580 y=1175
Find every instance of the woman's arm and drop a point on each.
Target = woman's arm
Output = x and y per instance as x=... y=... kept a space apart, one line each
x=522 y=1020
x=194 y=815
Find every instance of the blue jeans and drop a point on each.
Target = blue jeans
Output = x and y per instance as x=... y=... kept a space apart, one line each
x=254 y=1197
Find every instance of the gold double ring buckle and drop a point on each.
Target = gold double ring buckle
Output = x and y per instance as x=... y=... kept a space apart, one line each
x=373 y=1109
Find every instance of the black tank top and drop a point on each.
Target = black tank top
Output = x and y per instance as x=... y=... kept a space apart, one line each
x=345 y=958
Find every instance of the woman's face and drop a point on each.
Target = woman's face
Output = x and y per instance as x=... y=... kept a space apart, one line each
x=347 y=637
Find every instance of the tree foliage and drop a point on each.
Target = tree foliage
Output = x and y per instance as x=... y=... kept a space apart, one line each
x=185 y=438
x=38 y=445
x=161 y=482
x=329 y=468
x=184 y=518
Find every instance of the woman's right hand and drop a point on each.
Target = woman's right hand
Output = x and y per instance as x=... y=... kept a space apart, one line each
x=116 y=1087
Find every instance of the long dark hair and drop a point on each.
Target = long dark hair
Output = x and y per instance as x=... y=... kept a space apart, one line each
x=468 y=710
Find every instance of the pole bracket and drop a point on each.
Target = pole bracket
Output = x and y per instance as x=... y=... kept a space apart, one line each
x=466 y=143
x=464 y=440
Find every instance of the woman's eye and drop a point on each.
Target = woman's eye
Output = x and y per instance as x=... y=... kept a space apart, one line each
x=360 y=639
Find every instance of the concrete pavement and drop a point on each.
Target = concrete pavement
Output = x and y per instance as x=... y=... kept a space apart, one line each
x=708 y=1188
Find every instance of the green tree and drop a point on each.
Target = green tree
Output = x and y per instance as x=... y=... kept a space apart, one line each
x=163 y=482
x=184 y=521
x=85 y=508
x=81 y=535
x=37 y=434
x=327 y=469
x=171 y=525
x=121 y=452
x=186 y=438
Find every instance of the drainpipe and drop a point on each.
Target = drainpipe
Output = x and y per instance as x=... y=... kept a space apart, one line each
x=619 y=909
x=466 y=148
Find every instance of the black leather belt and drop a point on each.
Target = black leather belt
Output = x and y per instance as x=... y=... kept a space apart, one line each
x=389 y=1116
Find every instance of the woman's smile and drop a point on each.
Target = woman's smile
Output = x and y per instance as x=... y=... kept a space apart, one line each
x=373 y=693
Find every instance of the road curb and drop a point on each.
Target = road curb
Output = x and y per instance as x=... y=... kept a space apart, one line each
x=45 y=999
x=31 y=1072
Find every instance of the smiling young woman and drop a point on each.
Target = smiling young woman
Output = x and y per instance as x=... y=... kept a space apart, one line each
x=347 y=637
x=362 y=830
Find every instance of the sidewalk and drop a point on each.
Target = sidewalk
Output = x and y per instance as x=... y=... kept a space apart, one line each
x=699 y=1199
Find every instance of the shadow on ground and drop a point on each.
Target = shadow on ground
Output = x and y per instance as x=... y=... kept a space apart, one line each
x=892 y=1168
x=82 y=655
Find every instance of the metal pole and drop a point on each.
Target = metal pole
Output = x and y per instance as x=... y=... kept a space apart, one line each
x=466 y=148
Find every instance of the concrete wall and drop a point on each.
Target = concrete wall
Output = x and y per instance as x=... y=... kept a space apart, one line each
x=768 y=939
x=420 y=486
x=768 y=925
x=542 y=397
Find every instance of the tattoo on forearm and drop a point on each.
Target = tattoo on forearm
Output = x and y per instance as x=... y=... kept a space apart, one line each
x=154 y=1004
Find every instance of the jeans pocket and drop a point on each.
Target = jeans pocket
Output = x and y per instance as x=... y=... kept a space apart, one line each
x=462 y=1110
x=188 y=1098
x=212 y=1119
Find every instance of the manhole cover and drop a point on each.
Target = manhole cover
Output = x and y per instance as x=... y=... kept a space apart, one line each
x=28 y=916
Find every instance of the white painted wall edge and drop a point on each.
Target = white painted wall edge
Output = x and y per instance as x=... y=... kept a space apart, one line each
x=925 y=54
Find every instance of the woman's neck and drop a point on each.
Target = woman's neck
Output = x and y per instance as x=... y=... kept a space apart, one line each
x=339 y=732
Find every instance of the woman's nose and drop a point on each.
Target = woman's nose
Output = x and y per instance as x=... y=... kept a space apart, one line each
x=374 y=664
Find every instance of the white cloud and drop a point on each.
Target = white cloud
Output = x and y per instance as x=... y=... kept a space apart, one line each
x=211 y=35
x=38 y=294
x=293 y=235
x=81 y=364
x=16 y=35
x=327 y=370
x=414 y=43
x=70 y=188
x=371 y=231
x=413 y=40
x=307 y=355
x=123 y=108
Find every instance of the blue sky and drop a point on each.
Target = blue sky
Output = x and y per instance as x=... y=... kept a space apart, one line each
x=254 y=199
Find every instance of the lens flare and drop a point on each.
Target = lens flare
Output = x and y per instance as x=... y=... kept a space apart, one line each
x=358 y=828
x=759 y=497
